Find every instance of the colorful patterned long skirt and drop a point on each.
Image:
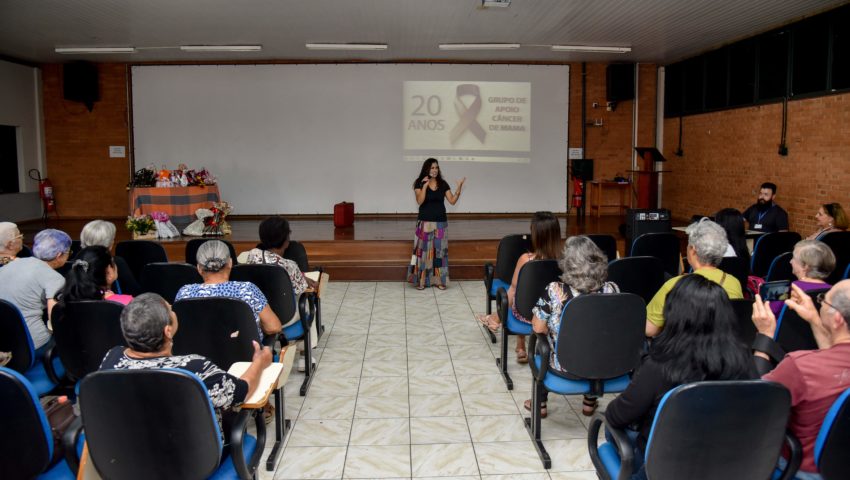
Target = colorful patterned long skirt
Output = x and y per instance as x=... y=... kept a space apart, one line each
x=429 y=264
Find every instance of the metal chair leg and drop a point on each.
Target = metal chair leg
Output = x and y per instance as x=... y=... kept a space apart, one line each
x=502 y=361
x=489 y=311
x=532 y=424
x=281 y=429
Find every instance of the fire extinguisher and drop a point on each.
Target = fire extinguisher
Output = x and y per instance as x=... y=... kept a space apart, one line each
x=45 y=191
x=578 y=192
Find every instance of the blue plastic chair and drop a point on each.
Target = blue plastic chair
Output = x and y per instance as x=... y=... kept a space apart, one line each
x=511 y=247
x=15 y=337
x=833 y=441
x=768 y=247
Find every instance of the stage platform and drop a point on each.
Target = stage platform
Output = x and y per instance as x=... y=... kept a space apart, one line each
x=375 y=248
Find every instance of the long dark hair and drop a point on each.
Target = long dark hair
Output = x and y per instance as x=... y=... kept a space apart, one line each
x=274 y=232
x=87 y=278
x=546 y=236
x=698 y=341
x=426 y=171
x=733 y=222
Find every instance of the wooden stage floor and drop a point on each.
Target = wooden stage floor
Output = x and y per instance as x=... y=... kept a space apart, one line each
x=374 y=248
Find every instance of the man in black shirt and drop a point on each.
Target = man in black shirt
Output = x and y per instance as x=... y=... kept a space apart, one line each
x=765 y=215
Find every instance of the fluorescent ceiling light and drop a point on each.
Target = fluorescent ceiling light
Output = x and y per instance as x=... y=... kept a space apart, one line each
x=479 y=46
x=590 y=48
x=346 y=46
x=496 y=3
x=71 y=50
x=221 y=48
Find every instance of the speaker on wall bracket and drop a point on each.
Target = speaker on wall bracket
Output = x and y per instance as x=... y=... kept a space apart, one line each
x=80 y=83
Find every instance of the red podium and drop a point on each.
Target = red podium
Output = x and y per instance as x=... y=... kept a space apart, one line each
x=646 y=176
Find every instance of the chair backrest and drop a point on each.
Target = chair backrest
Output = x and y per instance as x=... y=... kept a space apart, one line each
x=194 y=244
x=839 y=242
x=15 y=337
x=169 y=408
x=84 y=331
x=298 y=254
x=780 y=268
x=737 y=267
x=166 y=278
x=792 y=332
x=138 y=253
x=601 y=335
x=218 y=328
x=719 y=429
x=26 y=444
x=275 y=284
x=642 y=276
x=606 y=243
x=511 y=247
x=531 y=283
x=768 y=247
x=662 y=245
x=744 y=326
x=833 y=441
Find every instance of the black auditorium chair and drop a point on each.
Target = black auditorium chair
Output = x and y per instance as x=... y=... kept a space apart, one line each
x=25 y=252
x=219 y=328
x=15 y=338
x=833 y=441
x=738 y=268
x=194 y=244
x=780 y=268
x=166 y=279
x=606 y=243
x=839 y=242
x=770 y=246
x=172 y=407
x=138 y=253
x=275 y=284
x=599 y=343
x=664 y=246
x=744 y=326
x=26 y=444
x=84 y=331
x=706 y=430
x=510 y=248
x=533 y=278
x=642 y=276
x=298 y=254
x=792 y=332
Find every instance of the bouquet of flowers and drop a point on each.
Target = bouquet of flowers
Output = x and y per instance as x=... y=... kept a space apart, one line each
x=199 y=178
x=164 y=227
x=145 y=177
x=215 y=224
x=141 y=226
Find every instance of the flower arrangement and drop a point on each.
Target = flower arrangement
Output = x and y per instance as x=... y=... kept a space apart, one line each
x=160 y=217
x=199 y=178
x=150 y=176
x=216 y=224
x=140 y=225
x=164 y=227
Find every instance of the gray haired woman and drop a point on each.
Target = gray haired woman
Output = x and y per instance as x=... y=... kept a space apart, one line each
x=811 y=262
x=214 y=265
x=102 y=233
x=585 y=270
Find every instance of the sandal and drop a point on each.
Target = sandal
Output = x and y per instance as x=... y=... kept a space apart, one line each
x=522 y=356
x=490 y=321
x=268 y=413
x=440 y=287
x=543 y=411
x=588 y=406
x=420 y=287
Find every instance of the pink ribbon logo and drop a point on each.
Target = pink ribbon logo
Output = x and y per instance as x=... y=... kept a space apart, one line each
x=468 y=115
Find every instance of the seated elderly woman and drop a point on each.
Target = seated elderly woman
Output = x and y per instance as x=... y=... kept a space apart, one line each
x=830 y=217
x=101 y=232
x=706 y=246
x=11 y=242
x=214 y=265
x=92 y=273
x=149 y=325
x=585 y=269
x=699 y=343
x=811 y=262
x=32 y=283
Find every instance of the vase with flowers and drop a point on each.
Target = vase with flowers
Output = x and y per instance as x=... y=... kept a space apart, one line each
x=141 y=226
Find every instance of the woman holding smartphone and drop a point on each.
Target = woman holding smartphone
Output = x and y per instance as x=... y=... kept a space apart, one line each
x=429 y=264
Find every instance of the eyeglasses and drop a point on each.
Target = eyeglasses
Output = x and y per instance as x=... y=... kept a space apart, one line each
x=821 y=298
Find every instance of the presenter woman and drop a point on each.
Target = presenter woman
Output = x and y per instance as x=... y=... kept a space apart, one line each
x=429 y=264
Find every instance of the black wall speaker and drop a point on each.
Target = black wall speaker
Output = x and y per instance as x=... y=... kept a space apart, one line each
x=621 y=81
x=640 y=221
x=80 y=83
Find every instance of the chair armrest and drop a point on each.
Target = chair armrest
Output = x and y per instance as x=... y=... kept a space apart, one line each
x=246 y=468
x=795 y=459
x=502 y=307
x=307 y=309
x=489 y=269
x=49 y=357
x=624 y=447
x=69 y=441
x=538 y=344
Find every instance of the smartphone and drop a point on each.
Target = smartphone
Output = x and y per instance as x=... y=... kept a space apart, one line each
x=775 y=291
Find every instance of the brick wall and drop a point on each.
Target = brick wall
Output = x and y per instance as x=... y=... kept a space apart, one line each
x=728 y=154
x=86 y=181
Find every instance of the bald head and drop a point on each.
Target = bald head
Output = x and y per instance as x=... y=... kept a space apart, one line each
x=839 y=298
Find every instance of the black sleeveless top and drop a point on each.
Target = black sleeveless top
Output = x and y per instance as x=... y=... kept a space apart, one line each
x=433 y=209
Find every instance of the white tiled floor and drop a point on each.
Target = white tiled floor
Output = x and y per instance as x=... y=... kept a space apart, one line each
x=407 y=387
